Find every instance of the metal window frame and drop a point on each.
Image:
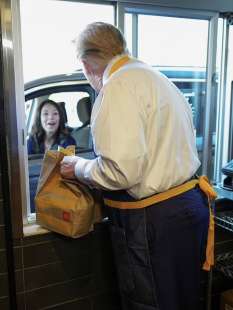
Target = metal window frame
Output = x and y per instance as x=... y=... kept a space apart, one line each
x=211 y=91
x=13 y=132
x=221 y=104
x=147 y=9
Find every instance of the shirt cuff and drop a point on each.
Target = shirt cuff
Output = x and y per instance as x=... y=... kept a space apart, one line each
x=79 y=168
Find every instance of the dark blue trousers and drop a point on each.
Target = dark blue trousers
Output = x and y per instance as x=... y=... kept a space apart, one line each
x=159 y=252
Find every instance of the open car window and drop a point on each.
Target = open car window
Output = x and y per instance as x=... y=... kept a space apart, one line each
x=76 y=104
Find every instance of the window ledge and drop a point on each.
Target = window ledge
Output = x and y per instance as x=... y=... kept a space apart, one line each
x=33 y=229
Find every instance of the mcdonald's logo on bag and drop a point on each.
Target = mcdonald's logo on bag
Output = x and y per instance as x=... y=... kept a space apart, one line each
x=66 y=216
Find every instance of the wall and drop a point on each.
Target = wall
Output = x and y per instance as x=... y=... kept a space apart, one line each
x=55 y=272
x=3 y=266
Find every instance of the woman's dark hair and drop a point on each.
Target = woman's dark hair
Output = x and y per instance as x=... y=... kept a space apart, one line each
x=37 y=129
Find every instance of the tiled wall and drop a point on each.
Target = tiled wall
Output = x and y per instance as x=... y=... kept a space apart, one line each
x=3 y=267
x=54 y=272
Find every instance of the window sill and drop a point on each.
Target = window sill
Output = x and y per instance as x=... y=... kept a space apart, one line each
x=33 y=229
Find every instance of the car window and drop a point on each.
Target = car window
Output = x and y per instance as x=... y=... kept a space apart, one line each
x=76 y=106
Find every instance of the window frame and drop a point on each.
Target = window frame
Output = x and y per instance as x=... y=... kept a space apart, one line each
x=14 y=93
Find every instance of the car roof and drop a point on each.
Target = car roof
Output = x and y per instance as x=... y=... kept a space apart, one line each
x=170 y=72
x=74 y=76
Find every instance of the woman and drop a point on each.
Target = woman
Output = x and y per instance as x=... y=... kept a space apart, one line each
x=48 y=131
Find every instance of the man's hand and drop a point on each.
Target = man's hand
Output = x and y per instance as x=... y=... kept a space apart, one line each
x=68 y=167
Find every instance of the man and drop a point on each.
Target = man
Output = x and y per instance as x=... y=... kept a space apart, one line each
x=145 y=164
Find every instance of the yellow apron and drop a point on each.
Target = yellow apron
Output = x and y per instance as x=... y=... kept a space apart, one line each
x=175 y=191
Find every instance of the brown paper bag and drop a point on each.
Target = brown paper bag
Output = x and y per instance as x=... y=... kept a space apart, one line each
x=64 y=206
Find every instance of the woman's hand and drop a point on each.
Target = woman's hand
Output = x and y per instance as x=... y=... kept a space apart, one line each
x=68 y=167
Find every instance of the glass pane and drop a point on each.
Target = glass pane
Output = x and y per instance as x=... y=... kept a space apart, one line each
x=230 y=53
x=228 y=154
x=181 y=56
x=48 y=28
x=172 y=45
x=128 y=31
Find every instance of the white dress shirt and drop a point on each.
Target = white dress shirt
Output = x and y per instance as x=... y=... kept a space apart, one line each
x=142 y=131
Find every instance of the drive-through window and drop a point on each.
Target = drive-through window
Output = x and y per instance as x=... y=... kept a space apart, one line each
x=51 y=71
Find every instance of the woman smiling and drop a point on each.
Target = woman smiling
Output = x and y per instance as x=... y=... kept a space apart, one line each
x=49 y=131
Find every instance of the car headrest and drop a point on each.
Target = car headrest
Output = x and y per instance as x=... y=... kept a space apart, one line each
x=84 y=110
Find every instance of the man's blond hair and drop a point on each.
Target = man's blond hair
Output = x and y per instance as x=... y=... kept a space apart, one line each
x=100 y=40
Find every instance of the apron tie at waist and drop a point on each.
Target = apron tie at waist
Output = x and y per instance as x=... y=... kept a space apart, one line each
x=211 y=194
x=204 y=185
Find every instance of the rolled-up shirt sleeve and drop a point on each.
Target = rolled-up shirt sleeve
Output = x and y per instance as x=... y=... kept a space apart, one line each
x=118 y=127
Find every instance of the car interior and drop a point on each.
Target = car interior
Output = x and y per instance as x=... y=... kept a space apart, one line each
x=82 y=134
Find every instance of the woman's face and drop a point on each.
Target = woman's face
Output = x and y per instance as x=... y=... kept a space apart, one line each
x=50 y=119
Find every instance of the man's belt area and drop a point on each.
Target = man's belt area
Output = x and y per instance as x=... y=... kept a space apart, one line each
x=204 y=185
